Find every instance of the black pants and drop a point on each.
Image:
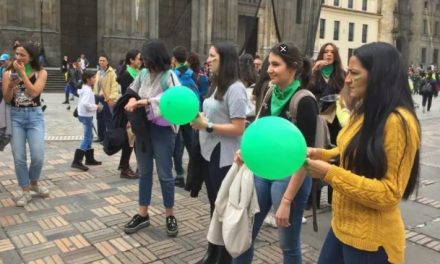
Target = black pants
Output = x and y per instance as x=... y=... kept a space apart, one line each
x=183 y=140
x=103 y=118
x=427 y=97
x=213 y=176
x=124 y=162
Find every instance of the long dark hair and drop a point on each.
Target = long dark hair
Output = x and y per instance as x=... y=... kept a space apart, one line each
x=387 y=89
x=337 y=78
x=33 y=51
x=228 y=71
x=156 y=56
x=247 y=72
x=291 y=55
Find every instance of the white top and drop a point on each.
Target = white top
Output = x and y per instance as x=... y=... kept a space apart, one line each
x=86 y=105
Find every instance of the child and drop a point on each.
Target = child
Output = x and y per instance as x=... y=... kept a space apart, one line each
x=86 y=110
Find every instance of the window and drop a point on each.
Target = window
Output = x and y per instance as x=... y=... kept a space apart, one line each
x=350 y=31
x=435 y=57
x=336 y=30
x=350 y=53
x=336 y=2
x=426 y=4
x=364 y=5
x=425 y=26
x=350 y=3
x=364 y=33
x=322 y=28
x=423 y=59
x=299 y=9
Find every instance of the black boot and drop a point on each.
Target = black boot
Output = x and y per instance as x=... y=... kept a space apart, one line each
x=223 y=256
x=77 y=160
x=210 y=255
x=90 y=158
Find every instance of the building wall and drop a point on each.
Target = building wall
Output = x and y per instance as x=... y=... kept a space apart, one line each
x=345 y=15
x=430 y=41
x=20 y=20
x=122 y=25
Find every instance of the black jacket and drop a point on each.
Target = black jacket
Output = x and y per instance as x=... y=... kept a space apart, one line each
x=194 y=179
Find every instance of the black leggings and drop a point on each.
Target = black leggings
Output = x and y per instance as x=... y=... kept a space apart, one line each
x=213 y=176
x=427 y=97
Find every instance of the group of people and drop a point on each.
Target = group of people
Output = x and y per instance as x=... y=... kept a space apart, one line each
x=427 y=84
x=369 y=111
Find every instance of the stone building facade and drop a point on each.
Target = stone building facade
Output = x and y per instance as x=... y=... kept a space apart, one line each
x=68 y=27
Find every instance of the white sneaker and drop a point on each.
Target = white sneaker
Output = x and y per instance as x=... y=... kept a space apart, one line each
x=40 y=191
x=24 y=199
x=270 y=221
x=304 y=220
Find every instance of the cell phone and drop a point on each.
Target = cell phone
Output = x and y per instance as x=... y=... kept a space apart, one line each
x=13 y=76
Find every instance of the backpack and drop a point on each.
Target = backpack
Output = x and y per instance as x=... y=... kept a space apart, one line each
x=322 y=140
x=185 y=79
x=426 y=88
x=203 y=84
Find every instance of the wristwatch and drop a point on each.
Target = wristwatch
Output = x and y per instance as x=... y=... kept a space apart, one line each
x=210 y=127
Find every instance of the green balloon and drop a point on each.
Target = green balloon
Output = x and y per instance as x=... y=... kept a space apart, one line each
x=273 y=148
x=179 y=105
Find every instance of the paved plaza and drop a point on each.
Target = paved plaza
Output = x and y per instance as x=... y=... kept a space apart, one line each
x=82 y=220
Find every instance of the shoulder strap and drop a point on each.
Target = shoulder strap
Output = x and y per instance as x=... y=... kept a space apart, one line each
x=144 y=73
x=293 y=105
x=164 y=80
x=265 y=99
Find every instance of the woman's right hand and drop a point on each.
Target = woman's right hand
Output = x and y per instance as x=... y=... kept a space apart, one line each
x=314 y=153
x=131 y=105
x=319 y=64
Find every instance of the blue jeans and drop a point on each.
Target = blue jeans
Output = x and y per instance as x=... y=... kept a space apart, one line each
x=87 y=122
x=270 y=194
x=335 y=252
x=27 y=125
x=158 y=144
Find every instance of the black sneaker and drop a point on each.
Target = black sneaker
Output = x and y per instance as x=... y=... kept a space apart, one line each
x=179 y=182
x=172 y=228
x=136 y=223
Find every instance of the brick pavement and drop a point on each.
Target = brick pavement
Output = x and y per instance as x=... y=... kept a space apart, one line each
x=82 y=220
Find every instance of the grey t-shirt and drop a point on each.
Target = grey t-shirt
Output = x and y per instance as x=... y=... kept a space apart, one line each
x=233 y=105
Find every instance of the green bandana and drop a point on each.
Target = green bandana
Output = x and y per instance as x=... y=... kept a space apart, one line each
x=281 y=97
x=132 y=71
x=327 y=70
x=27 y=69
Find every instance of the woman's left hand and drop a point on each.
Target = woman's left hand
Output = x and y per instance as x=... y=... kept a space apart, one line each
x=283 y=213
x=317 y=168
x=200 y=123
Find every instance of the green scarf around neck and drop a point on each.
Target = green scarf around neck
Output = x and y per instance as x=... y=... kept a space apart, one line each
x=281 y=97
x=28 y=69
x=327 y=70
x=132 y=71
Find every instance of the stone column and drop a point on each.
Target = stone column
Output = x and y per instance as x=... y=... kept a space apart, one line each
x=224 y=20
x=199 y=25
x=153 y=18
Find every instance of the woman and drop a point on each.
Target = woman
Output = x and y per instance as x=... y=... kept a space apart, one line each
x=379 y=152
x=23 y=84
x=427 y=90
x=106 y=91
x=248 y=76
x=289 y=72
x=220 y=128
x=86 y=110
x=158 y=143
x=130 y=71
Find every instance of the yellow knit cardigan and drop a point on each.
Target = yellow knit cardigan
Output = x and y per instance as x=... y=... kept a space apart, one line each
x=366 y=213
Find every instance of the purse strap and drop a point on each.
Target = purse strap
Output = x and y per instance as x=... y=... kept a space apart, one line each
x=265 y=99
